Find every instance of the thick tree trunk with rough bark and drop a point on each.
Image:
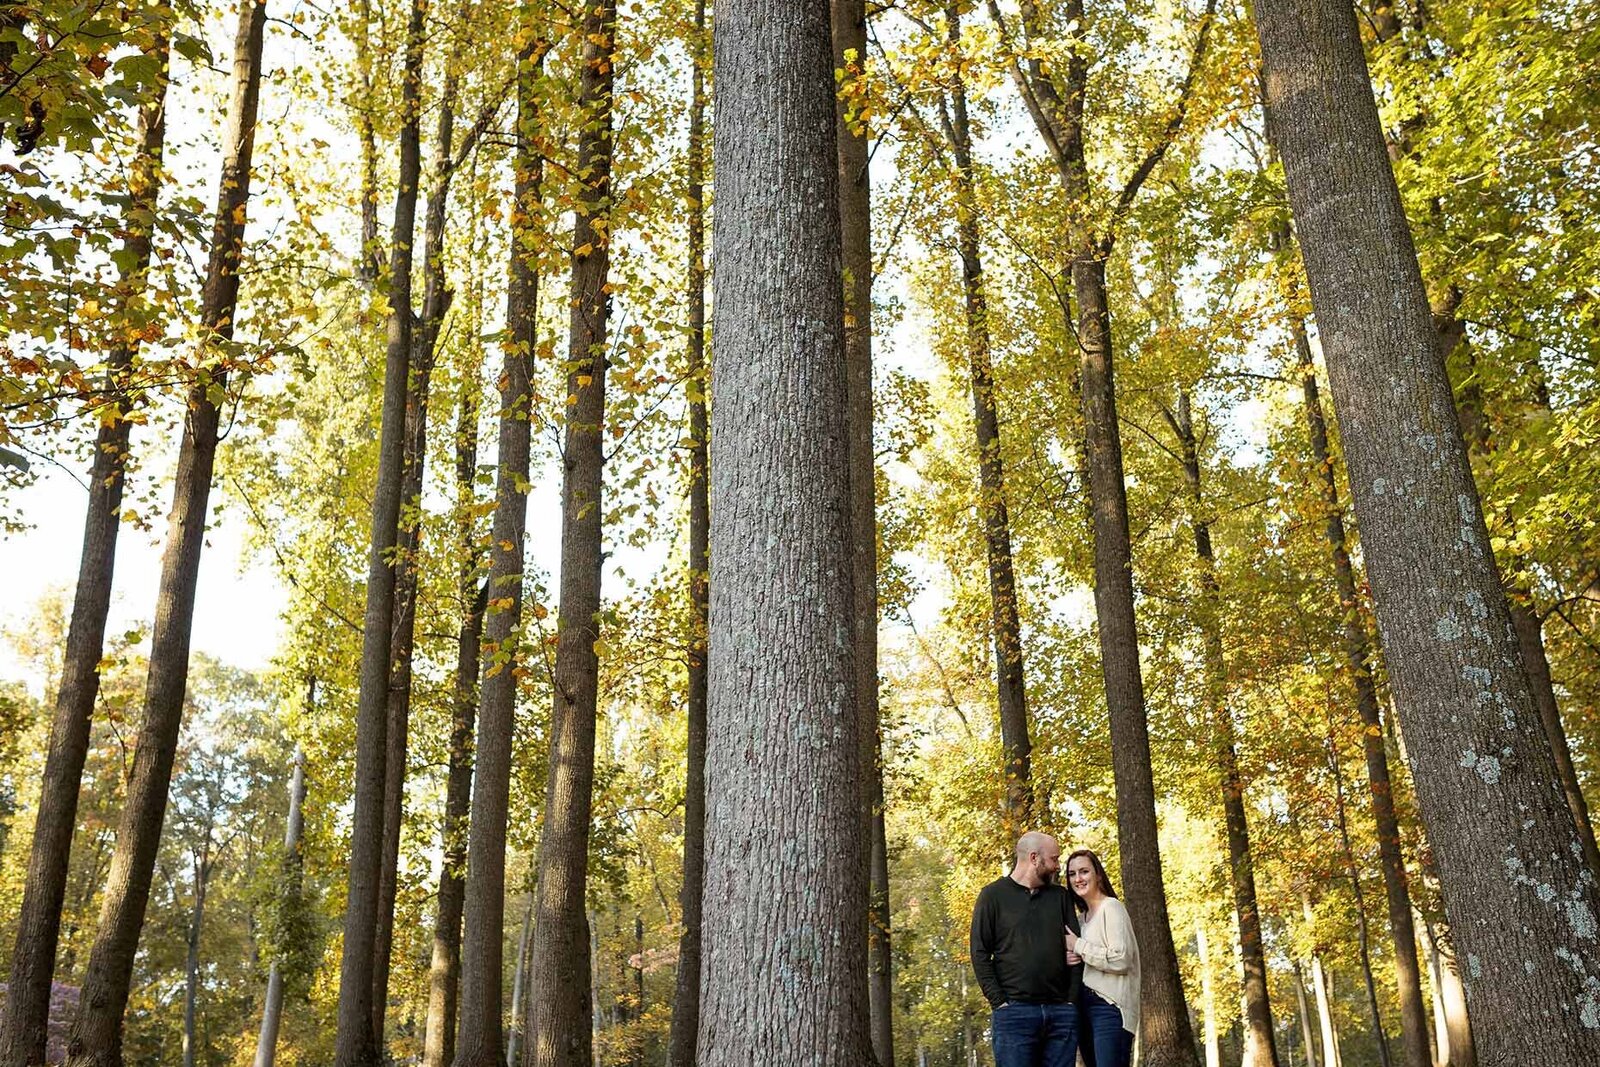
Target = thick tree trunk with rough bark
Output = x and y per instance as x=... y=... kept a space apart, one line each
x=855 y=209
x=357 y=1042
x=1005 y=619
x=479 y=1037
x=96 y=1037
x=27 y=1007
x=444 y=973
x=686 y=989
x=785 y=970
x=1260 y=1045
x=272 y=1008
x=1359 y=661
x=559 y=1009
x=1486 y=780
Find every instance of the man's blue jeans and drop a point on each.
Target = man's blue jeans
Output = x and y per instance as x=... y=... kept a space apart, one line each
x=1105 y=1042
x=1035 y=1035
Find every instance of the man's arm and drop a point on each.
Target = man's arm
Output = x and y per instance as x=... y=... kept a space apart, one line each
x=982 y=949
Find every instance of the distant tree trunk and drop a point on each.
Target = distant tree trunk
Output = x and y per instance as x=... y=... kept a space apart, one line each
x=855 y=207
x=1463 y=1049
x=96 y=1038
x=191 y=969
x=27 y=1006
x=559 y=1009
x=272 y=1009
x=519 y=976
x=369 y=264
x=1261 y=1046
x=686 y=989
x=785 y=969
x=479 y=1041
x=1208 y=999
x=1441 y=1021
x=1363 y=940
x=358 y=1043
x=1307 y=1038
x=1322 y=986
x=1006 y=622
x=444 y=973
x=1487 y=784
x=436 y=301
x=1359 y=661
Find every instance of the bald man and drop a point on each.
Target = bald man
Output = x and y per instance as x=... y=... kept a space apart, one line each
x=1019 y=951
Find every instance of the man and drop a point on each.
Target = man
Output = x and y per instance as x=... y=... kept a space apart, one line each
x=1019 y=952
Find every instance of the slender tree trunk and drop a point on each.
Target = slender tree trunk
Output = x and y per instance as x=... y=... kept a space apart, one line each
x=479 y=1041
x=1307 y=1037
x=1359 y=661
x=358 y=1043
x=519 y=982
x=1006 y=622
x=25 y=1017
x=1261 y=1049
x=370 y=263
x=559 y=1010
x=1363 y=940
x=1487 y=784
x=96 y=1038
x=436 y=301
x=191 y=969
x=1441 y=1022
x=1463 y=1047
x=1208 y=1000
x=855 y=207
x=785 y=968
x=272 y=1009
x=1322 y=987
x=686 y=990
x=444 y=973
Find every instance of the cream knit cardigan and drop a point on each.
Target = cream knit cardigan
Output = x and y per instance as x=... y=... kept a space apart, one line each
x=1111 y=959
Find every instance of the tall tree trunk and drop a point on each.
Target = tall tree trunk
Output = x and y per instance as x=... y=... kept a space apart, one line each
x=1487 y=783
x=1359 y=661
x=686 y=989
x=357 y=1042
x=436 y=299
x=519 y=976
x=1261 y=1047
x=27 y=1007
x=1006 y=622
x=855 y=208
x=96 y=1038
x=785 y=968
x=479 y=1041
x=1463 y=1048
x=191 y=968
x=444 y=972
x=272 y=1009
x=559 y=1010
x=1057 y=103
x=1441 y=1021
x=1321 y=986
x=1363 y=940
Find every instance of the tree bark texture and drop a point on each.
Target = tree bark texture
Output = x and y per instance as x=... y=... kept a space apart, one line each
x=444 y=972
x=27 y=1007
x=357 y=1042
x=1260 y=1045
x=1005 y=620
x=1486 y=780
x=272 y=1007
x=686 y=989
x=96 y=1036
x=1359 y=661
x=849 y=19
x=785 y=969
x=479 y=1040
x=559 y=1009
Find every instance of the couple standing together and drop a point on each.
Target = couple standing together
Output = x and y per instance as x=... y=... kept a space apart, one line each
x=1059 y=965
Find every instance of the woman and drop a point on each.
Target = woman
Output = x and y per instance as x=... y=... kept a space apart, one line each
x=1110 y=955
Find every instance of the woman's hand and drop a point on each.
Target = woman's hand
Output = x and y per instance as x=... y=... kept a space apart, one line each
x=1072 y=949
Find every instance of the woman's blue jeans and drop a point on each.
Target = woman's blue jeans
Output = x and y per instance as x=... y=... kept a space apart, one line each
x=1105 y=1042
x=1035 y=1035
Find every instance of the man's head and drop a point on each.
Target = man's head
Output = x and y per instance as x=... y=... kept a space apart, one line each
x=1038 y=860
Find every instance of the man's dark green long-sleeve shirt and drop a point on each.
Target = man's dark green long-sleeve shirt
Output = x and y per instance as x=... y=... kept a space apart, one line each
x=1019 y=948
